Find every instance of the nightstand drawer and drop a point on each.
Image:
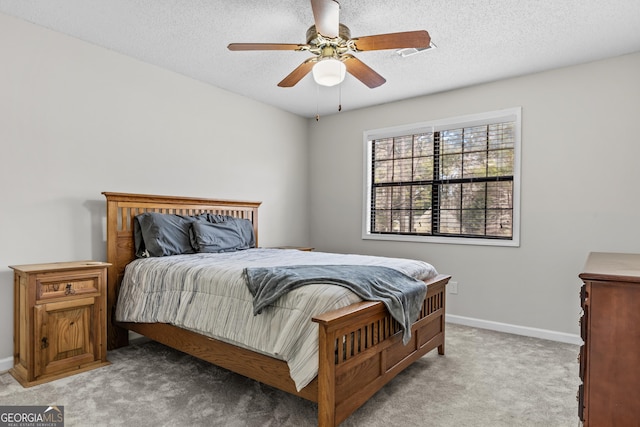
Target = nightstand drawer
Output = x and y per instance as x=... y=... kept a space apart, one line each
x=50 y=286
x=48 y=289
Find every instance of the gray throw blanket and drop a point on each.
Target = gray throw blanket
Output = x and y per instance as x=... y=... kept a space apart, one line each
x=403 y=295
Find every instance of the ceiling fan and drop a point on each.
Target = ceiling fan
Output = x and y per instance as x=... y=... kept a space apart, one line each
x=331 y=43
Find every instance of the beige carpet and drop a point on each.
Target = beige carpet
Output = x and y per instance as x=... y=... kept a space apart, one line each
x=486 y=378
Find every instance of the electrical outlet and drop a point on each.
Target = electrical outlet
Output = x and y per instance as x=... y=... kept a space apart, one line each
x=453 y=287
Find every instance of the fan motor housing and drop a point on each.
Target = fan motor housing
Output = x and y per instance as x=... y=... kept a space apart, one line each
x=312 y=34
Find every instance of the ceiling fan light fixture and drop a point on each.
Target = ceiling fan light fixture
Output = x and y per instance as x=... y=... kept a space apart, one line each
x=329 y=72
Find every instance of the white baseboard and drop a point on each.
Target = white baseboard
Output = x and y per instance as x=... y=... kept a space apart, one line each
x=515 y=329
x=6 y=364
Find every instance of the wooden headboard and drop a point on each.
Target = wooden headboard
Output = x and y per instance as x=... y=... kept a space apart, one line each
x=123 y=207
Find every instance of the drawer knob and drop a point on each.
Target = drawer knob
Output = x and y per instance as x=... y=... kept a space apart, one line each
x=68 y=290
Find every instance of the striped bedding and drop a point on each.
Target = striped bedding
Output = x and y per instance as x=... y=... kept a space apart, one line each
x=207 y=293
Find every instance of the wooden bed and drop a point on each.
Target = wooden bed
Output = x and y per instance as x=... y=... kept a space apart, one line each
x=360 y=346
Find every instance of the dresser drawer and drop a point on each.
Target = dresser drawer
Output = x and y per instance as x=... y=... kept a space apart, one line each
x=582 y=361
x=584 y=323
x=51 y=286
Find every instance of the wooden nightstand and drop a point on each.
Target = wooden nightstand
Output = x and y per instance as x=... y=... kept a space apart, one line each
x=300 y=248
x=60 y=317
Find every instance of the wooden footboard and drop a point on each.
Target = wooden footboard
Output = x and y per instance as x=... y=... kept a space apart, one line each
x=361 y=350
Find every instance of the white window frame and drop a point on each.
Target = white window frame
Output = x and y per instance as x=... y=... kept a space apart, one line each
x=510 y=114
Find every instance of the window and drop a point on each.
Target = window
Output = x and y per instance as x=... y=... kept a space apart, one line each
x=454 y=180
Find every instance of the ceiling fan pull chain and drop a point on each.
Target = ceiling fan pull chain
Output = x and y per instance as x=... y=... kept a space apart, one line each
x=317 y=107
x=339 y=98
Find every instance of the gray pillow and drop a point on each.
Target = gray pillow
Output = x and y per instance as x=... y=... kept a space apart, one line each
x=216 y=218
x=157 y=234
x=231 y=235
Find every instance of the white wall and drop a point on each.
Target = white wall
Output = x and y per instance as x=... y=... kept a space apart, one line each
x=76 y=120
x=580 y=177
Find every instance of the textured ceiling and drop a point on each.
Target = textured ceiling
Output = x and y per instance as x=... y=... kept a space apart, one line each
x=477 y=41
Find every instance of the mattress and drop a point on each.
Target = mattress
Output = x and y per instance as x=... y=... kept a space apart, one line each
x=207 y=293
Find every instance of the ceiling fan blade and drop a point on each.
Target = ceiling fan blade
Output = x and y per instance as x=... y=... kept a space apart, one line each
x=296 y=75
x=326 y=14
x=362 y=71
x=265 y=46
x=417 y=39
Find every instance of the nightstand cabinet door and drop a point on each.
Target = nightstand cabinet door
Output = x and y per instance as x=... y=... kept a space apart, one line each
x=65 y=334
x=59 y=321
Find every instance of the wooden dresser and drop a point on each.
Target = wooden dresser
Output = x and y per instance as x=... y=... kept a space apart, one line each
x=60 y=320
x=610 y=329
